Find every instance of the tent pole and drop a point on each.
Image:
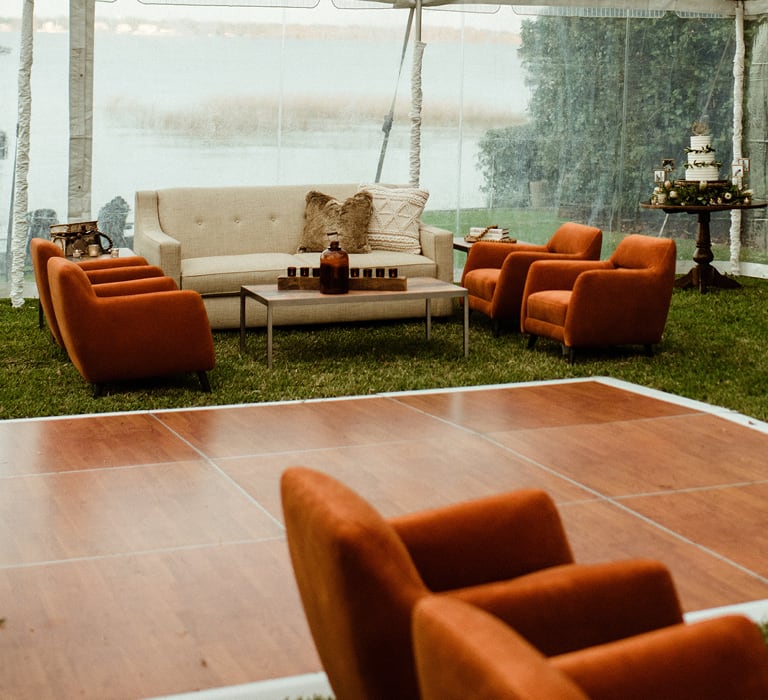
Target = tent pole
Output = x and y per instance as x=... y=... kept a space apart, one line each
x=738 y=125
x=21 y=165
x=416 y=98
x=389 y=118
x=82 y=15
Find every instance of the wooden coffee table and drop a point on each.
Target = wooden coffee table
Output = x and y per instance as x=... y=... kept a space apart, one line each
x=425 y=288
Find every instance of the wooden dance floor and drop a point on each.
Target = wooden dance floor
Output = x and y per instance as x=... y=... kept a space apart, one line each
x=143 y=554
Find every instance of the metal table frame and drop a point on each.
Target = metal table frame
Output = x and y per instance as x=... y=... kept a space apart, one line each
x=418 y=288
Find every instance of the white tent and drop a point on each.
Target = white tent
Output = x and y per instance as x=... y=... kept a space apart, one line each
x=82 y=14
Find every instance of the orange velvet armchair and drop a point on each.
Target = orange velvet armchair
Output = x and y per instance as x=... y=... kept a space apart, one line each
x=620 y=301
x=462 y=652
x=129 y=330
x=495 y=272
x=98 y=270
x=360 y=575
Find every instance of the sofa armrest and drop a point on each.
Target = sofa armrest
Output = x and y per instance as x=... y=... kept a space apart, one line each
x=711 y=660
x=113 y=338
x=151 y=241
x=492 y=255
x=544 y=275
x=614 y=306
x=109 y=263
x=121 y=274
x=576 y=606
x=437 y=245
x=135 y=286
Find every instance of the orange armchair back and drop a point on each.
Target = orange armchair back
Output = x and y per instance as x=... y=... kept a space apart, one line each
x=621 y=301
x=114 y=336
x=462 y=652
x=98 y=270
x=360 y=575
x=495 y=273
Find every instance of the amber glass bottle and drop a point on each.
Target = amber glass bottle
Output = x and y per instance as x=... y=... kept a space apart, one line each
x=334 y=268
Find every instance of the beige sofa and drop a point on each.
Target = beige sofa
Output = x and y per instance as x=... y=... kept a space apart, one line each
x=215 y=239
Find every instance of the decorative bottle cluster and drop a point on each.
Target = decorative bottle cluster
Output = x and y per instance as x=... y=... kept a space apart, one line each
x=334 y=268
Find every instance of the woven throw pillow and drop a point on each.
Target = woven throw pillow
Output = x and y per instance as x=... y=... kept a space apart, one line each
x=324 y=214
x=395 y=220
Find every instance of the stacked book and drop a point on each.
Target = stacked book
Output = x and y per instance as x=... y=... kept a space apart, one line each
x=489 y=233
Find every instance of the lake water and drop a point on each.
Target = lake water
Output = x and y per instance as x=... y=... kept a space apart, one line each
x=164 y=75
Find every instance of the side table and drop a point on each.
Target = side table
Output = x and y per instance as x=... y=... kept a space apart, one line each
x=704 y=275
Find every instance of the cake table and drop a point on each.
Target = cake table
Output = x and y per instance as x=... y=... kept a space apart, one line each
x=704 y=275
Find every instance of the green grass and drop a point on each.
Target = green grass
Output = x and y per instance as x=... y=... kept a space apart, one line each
x=537 y=225
x=714 y=350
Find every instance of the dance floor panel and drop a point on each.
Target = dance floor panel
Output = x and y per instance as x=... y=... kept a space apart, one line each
x=144 y=554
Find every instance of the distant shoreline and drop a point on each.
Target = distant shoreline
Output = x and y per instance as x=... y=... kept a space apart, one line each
x=160 y=28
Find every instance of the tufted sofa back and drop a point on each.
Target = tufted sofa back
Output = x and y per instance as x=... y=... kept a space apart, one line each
x=237 y=220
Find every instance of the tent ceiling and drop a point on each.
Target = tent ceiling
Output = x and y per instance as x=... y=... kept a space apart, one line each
x=721 y=7
x=752 y=8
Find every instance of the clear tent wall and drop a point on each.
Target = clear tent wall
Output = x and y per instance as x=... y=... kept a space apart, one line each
x=530 y=115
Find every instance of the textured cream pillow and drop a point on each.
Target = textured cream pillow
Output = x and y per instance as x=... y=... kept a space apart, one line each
x=324 y=214
x=394 y=223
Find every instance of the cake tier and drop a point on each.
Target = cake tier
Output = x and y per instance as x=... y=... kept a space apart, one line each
x=701 y=166
x=701 y=160
x=701 y=143
x=706 y=173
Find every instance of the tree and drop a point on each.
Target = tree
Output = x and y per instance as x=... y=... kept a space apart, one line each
x=610 y=99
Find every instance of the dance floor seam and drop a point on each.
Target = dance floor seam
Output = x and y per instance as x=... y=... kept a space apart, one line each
x=152 y=560
x=139 y=553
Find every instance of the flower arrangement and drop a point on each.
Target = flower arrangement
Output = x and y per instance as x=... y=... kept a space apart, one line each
x=687 y=193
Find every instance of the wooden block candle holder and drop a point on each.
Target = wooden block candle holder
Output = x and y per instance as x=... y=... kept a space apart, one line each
x=382 y=284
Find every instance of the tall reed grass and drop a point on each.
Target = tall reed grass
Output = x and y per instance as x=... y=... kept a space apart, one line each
x=255 y=117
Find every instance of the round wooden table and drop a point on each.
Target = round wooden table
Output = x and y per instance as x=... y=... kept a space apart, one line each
x=704 y=275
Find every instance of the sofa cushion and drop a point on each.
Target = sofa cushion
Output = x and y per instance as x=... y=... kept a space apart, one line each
x=349 y=218
x=225 y=274
x=395 y=219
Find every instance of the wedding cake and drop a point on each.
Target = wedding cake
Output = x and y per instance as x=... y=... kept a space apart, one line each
x=701 y=165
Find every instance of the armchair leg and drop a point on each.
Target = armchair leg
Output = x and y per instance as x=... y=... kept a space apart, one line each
x=648 y=350
x=570 y=353
x=496 y=328
x=204 y=383
x=97 y=390
x=532 y=341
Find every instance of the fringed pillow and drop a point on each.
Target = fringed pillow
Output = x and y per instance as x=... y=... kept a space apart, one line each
x=350 y=219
